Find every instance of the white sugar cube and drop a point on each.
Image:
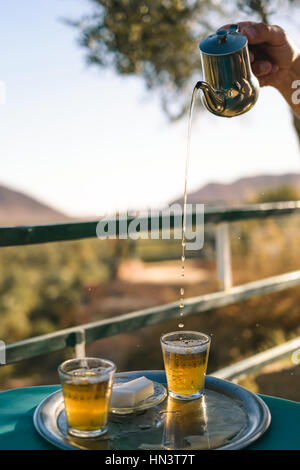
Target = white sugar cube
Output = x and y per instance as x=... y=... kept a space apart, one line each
x=131 y=393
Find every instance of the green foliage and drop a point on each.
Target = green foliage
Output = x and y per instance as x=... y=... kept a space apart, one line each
x=41 y=286
x=157 y=40
x=279 y=194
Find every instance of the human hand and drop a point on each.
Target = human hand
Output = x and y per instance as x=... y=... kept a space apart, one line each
x=272 y=53
x=275 y=60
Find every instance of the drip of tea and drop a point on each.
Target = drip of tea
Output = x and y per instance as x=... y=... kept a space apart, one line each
x=183 y=240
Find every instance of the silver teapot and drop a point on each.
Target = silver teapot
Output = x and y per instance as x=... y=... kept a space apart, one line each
x=229 y=88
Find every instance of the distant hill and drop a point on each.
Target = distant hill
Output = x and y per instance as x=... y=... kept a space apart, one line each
x=16 y=208
x=240 y=191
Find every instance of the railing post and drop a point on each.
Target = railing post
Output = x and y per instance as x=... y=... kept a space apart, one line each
x=80 y=344
x=223 y=255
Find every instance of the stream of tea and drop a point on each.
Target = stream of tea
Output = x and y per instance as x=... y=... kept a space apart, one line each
x=183 y=239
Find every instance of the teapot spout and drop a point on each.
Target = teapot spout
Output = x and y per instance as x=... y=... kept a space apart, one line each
x=214 y=101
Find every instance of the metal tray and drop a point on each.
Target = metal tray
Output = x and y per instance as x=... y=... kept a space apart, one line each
x=228 y=417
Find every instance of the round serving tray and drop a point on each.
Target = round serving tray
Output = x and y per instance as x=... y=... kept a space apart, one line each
x=228 y=417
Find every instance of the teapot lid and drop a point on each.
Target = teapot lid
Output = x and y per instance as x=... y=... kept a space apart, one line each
x=224 y=41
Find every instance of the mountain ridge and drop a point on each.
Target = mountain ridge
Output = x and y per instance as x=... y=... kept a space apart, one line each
x=17 y=207
x=240 y=191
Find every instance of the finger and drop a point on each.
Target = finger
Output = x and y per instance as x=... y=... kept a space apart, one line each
x=267 y=80
x=271 y=78
x=258 y=33
x=261 y=67
x=264 y=81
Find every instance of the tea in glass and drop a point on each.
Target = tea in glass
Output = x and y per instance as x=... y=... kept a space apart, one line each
x=185 y=357
x=87 y=386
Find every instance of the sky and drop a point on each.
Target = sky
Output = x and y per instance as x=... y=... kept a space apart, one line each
x=88 y=142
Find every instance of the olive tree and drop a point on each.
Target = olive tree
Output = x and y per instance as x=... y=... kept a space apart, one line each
x=158 y=39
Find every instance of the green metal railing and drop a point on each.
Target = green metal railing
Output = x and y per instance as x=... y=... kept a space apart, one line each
x=78 y=336
x=31 y=235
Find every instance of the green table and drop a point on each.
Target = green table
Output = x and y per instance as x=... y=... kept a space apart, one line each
x=18 y=433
